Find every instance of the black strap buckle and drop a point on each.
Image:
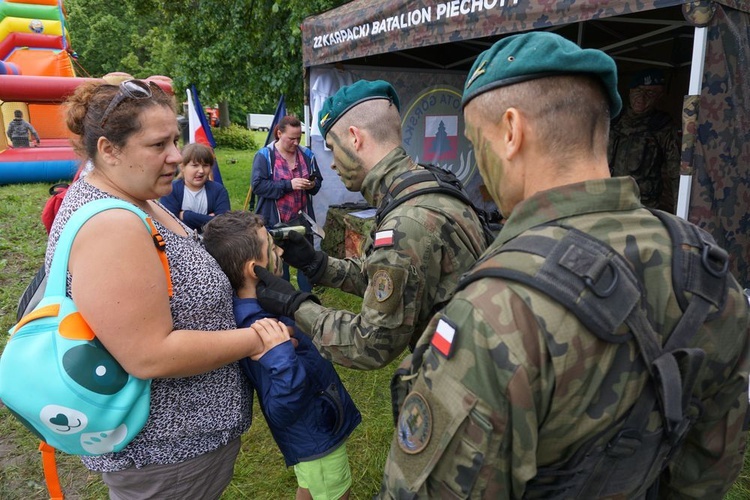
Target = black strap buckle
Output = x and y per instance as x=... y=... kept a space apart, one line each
x=715 y=259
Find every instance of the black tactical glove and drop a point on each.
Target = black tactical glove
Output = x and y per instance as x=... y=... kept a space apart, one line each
x=299 y=253
x=277 y=296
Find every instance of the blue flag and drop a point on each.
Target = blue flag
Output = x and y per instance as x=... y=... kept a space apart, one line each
x=277 y=116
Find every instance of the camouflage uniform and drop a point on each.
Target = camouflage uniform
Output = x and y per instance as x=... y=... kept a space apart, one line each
x=527 y=384
x=435 y=239
x=645 y=147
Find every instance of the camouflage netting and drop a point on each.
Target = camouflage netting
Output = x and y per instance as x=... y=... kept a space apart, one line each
x=721 y=157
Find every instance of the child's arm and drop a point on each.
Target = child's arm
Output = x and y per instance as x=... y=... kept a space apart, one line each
x=287 y=394
x=222 y=202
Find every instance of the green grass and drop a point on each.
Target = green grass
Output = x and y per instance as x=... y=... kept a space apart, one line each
x=260 y=472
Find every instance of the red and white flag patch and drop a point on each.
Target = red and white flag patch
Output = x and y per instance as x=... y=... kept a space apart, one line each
x=442 y=339
x=383 y=238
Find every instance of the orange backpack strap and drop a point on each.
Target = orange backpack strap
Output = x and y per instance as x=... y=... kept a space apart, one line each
x=50 y=471
x=161 y=248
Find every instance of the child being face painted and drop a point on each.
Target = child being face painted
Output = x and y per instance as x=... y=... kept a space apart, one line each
x=239 y=241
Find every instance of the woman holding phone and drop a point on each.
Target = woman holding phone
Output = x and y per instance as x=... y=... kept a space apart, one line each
x=285 y=178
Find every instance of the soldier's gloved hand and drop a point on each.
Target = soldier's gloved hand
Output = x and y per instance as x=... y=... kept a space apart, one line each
x=277 y=296
x=299 y=253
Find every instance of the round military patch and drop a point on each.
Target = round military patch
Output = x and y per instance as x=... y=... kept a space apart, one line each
x=414 y=424
x=383 y=285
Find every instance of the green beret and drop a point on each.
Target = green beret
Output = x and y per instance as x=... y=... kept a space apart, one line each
x=347 y=97
x=539 y=54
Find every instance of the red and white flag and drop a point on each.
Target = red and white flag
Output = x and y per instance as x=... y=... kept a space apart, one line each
x=442 y=340
x=440 y=138
x=199 y=129
x=383 y=238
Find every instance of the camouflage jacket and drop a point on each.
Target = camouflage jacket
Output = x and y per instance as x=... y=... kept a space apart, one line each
x=645 y=146
x=526 y=384
x=433 y=239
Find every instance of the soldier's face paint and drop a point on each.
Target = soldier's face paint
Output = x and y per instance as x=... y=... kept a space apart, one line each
x=645 y=97
x=272 y=254
x=487 y=142
x=346 y=163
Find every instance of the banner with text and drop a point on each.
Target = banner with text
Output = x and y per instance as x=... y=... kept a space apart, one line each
x=369 y=27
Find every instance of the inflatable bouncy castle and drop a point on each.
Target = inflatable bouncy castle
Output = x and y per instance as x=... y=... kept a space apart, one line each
x=36 y=75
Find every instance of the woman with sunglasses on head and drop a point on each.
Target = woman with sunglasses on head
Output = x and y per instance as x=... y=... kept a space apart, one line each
x=188 y=344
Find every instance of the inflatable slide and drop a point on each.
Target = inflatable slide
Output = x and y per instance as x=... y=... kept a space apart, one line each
x=36 y=73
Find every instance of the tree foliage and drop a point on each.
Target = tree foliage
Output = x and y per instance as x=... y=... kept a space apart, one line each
x=243 y=52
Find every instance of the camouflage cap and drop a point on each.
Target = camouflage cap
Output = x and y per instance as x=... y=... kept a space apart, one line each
x=651 y=76
x=538 y=54
x=347 y=97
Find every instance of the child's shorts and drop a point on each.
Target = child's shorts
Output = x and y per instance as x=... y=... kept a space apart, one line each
x=328 y=477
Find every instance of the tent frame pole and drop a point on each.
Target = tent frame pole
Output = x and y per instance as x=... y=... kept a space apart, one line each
x=700 y=40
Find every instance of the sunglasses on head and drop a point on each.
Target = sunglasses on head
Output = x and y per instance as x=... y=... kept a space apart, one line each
x=129 y=89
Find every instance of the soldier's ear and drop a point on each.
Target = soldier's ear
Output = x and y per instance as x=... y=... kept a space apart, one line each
x=513 y=131
x=355 y=136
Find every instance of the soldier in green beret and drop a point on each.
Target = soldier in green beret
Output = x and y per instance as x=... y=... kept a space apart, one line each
x=643 y=143
x=571 y=361
x=411 y=262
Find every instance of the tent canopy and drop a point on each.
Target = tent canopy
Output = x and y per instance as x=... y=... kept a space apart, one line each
x=400 y=34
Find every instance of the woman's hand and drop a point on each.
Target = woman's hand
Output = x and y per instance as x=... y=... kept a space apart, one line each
x=298 y=183
x=271 y=332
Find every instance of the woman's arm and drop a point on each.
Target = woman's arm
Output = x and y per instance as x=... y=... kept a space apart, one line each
x=262 y=181
x=119 y=287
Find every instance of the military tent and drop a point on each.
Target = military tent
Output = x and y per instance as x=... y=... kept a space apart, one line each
x=425 y=49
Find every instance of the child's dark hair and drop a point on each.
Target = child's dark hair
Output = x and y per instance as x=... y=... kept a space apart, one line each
x=232 y=239
x=198 y=153
x=287 y=121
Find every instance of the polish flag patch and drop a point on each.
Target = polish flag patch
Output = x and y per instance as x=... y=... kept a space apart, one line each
x=383 y=238
x=442 y=339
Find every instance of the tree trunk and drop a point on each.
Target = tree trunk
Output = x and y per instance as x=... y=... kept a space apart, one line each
x=224 y=114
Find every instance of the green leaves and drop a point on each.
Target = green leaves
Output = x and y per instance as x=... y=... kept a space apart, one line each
x=244 y=52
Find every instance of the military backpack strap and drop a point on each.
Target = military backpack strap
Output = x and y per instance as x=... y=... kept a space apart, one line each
x=448 y=184
x=579 y=272
x=598 y=286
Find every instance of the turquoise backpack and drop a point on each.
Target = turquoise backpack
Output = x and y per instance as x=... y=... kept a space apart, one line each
x=55 y=375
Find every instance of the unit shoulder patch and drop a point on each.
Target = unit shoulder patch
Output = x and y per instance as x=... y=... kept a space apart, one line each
x=383 y=285
x=414 y=424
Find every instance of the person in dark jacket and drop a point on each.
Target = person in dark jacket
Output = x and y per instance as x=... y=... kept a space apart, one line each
x=307 y=408
x=19 y=129
x=284 y=180
x=643 y=143
x=195 y=199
